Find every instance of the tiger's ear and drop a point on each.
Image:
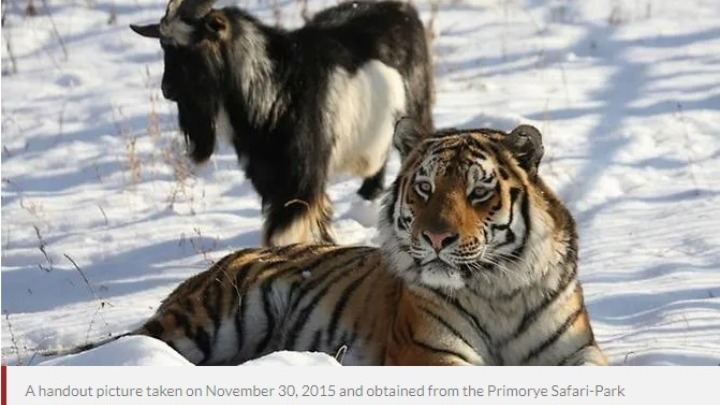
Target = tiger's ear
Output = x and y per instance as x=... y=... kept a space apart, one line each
x=407 y=135
x=525 y=143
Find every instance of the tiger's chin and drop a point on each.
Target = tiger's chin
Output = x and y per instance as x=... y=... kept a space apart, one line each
x=440 y=275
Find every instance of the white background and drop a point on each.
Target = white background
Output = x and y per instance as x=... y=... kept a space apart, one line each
x=661 y=384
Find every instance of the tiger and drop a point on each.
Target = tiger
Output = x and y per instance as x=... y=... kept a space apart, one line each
x=477 y=265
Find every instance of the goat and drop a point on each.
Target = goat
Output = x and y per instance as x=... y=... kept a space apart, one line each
x=297 y=105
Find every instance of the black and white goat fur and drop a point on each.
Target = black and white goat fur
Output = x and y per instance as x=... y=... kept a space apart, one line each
x=297 y=105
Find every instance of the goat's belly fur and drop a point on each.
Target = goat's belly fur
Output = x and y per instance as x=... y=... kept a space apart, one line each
x=361 y=112
x=223 y=128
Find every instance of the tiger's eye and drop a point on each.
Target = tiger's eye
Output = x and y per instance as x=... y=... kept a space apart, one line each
x=423 y=189
x=480 y=193
x=424 y=186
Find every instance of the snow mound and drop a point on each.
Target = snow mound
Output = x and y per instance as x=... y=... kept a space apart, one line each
x=147 y=351
x=126 y=351
x=286 y=358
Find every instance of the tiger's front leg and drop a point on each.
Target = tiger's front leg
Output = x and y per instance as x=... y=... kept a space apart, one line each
x=589 y=356
x=418 y=338
x=411 y=357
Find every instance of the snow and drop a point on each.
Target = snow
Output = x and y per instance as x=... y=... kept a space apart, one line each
x=285 y=358
x=102 y=216
x=126 y=351
x=146 y=351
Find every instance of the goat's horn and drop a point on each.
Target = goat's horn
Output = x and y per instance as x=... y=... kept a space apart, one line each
x=150 y=30
x=189 y=9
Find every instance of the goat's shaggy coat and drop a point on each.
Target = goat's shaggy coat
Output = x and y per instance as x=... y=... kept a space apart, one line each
x=300 y=105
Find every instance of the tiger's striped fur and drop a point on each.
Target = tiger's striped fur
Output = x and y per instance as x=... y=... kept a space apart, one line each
x=478 y=266
x=297 y=297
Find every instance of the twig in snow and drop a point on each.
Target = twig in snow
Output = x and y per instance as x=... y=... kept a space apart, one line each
x=133 y=160
x=112 y=19
x=82 y=274
x=61 y=121
x=30 y=10
x=55 y=30
x=503 y=39
x=12 y=337
x=102 y=303
x=304 y=13
x=42 y=249
x=6 y=244
x=277 y=12
x=617 y=15
x=104 y=214
x=688 y=148
x=201 y=249
x=4 y=12
x=625 y=359
x=92 y=321
x=8 y=47
x=430 y=30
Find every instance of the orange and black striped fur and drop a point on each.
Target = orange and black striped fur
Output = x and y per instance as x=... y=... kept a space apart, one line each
x=478 y=266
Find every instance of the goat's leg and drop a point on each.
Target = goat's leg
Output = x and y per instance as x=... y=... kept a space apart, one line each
x=298 y=220
x=373 y=186
x=322 y=218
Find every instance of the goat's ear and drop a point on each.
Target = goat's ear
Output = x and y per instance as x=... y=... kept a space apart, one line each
x=150 y=30
x=216 y=23
x=525 y=143
x=407 y=136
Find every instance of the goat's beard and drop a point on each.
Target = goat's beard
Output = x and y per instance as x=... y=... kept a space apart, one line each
x=200 y=101
x=197 y=114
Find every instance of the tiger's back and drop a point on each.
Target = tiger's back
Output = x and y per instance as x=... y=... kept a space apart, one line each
x=302 y=298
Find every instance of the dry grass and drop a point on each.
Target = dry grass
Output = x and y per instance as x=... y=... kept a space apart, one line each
x=175 y=158
x=15 y=348
x=133 y=160
x=7 y=39
x=153 y=119
x=617 y=15
x=303 y=10
x=55 y=31
x=277 y=12
x=30 y=9
x=430 y=25
x=102 y=304
x=48 y=266
x=196 y=242
x=623 y=13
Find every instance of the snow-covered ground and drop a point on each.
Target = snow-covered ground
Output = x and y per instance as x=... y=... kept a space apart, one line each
x=102 y=216
x=146 y=351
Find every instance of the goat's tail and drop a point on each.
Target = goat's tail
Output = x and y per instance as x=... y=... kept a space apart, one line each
x=83 y=348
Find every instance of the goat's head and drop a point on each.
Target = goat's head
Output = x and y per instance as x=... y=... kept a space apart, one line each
x=191 y=35
x=189 y=26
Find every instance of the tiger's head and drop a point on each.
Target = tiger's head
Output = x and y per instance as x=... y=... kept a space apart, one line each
x=468 y=209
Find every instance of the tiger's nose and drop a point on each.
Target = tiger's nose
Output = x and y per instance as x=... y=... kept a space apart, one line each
x=440 y=241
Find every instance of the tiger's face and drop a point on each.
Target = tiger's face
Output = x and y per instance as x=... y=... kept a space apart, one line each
x=459 y=213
